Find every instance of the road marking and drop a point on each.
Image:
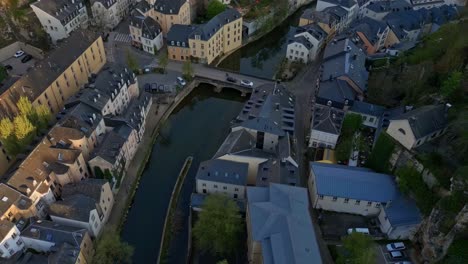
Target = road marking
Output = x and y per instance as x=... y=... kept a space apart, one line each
x=122 y=38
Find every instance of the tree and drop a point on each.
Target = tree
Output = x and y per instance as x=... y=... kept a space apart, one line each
x=187 y=70
x=163 y=60
x=6 y=128
x=98 y=172
x=351 y=124
x=131 y=61
x=359 y=248
x=343 y=149
x=214 y=7
x=219 y=225
x=24 y=129
x=110 y=249
x=451 y=84
x=8 y=138
x=43 y=116
x=25 y=107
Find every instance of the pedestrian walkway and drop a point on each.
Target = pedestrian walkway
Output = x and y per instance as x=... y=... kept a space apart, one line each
x=122 y=38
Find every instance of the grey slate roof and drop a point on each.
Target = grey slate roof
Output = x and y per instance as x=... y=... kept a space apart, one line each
x=343 y=58
x=76 y=207
x=402 y=211
x=110 y=78
x=301 y=40
x=367 y=108
x=369 y=27
x=280 y=221
x=65 y=253
x=142 y=6
x=168 y=7
x=308 y=14
x=106 y=3
x=389 y=6
x=353 y=183
x=336 y=90
x=408 y=20
x=63 y=10
x=37 y=79
x=224 y=171
x=426 y=120
x=150 y=28
x=206 y=31
x=55 y=233
x=337 y=12
x=236 y=141
x=269 y=109
x=313 y=29
x=327 y=119
x=179 y=35
x=344 y=3
x=90 y=187
x=112 y=144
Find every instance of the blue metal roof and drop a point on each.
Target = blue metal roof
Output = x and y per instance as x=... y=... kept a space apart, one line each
x=353 y=183
x=402 y=211
x=367 y=108
x=224 y=171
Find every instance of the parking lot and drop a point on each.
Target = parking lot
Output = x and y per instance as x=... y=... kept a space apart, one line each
x=335 y=225
x=383 y=256
x=18 y=68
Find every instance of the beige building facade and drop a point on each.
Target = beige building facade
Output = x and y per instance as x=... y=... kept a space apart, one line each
x=171 y=12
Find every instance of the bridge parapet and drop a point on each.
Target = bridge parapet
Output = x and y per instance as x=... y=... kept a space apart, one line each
x=219 y=85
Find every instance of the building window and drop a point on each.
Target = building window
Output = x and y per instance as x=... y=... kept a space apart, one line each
x=235 y=196
x=358 y=202
x=224 y=188
x=204 y=184
x=335 y=198
x=236 y=189
x=369 y=203
x=371 y=119
x=320 y=197
x=215 y=186
x=204 y=190
x=377 y=205
x=6 y=245
x=346 y=200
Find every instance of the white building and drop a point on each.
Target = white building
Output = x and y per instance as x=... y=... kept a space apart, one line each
x=222 y=176
x=105 y=13
x=60 y=17
x=326 y=126
x=414 y=128
x=306 y=44
x=370 y=113
x=146 y=34
x=361 y=191
x=349 y=5
x=10 y=240
x=86 y=204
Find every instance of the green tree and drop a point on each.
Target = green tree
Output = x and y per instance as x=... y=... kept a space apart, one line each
x=163 y=60
x=6 y=128
x=351 y=124
x=131 y=61
x=24 y=129
x=343 y=149
x=379 y=159
x=8 y=138
x=187 y=70
x=214 y=7
x=98 y=172
x=219 y=225
x=43 y=116
x=110 y=249
x=451 y=84
x=359 y=249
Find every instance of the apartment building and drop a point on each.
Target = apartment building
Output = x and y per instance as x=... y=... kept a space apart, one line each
x=306 y=44
x=5 y=160
x=71 y=138
x=220 y=35
x=64 y=244
x=177 y=41
x=222 y=176
x=326 y=126
x=379 y=9
x=327 y=21
x=351 y=6
x=86 y=204
x=108 y=13
x=10 y=241
x=137 y=112
x=415 y=127
x=279 y=226
x=170 y=12
x=371 y=35
x=358 y=190
x=15 y=206
x=335 y=93
x=146 y=34
x=60 y=17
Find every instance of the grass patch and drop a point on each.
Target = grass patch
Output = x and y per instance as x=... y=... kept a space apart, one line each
x=457 y=252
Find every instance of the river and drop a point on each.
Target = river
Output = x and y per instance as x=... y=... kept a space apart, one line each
x=262 y=57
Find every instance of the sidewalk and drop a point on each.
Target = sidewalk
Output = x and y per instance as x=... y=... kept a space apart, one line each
x=125 y=190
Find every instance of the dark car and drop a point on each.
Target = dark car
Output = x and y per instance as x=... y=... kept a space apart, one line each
x=8 y=67
x=147 y=87
x=231 y=79
x=26 y=58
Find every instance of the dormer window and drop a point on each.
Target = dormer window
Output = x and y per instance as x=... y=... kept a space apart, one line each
x=402 y=131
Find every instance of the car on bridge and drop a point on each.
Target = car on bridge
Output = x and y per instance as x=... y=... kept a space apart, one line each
x=181 y=81
x=247 y=83
x=231 y=79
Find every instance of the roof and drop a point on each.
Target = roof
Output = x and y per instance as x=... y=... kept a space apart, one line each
x=224 y=171
x=389 y=6
x=426 y=120
x=280 y=221
x=327 y=119
x=402 y=211
x=270 y=109
x=81 y=117
x=55 y=233
x=5 y=228
x=113 y=142
x=168 y=7
x=90 y=187
x=438 y=15
x=63 y=10
x=400 y=22
x=150 y=29
x=308 y=14
x=314 y=30
x=343 y=3
x=303 y=41
x=10 y=197
x=206 y=31
x=353 y=183
x=179 y=35
x=367 y=108
x=343 y=58
x=336 y=90
x=337 y=12
x=197 y=200
x=371 y=28
x=65 y=253
x=45 y=72
x=106 y=3
x=236 y=141
x=109 y=79
x=77 y=207
x=142 y=6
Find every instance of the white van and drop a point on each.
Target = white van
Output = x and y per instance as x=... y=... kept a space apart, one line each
x=359 y=230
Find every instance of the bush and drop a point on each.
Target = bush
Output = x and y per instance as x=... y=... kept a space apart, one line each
x=379 y=159
x=457 y=253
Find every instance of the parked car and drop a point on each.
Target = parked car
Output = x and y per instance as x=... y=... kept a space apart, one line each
x=396 y=254
x=359 y=230
x=26 y=58
x=147 y=87
x=395 y=246
x=154 y=87
x=231 y=79
x=181 y=81
x=19 y=53
x=8 y=67
x=247 y=83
